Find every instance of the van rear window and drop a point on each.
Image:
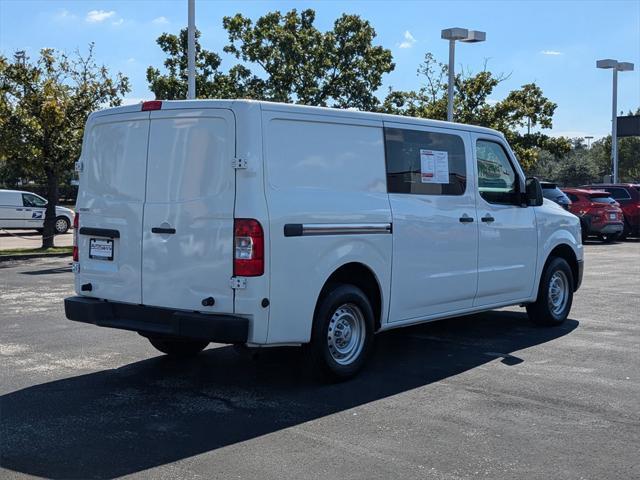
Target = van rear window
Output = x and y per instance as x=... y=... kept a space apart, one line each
x=425 y=163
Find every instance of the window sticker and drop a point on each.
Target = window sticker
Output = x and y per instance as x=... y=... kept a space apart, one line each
x=434 y=166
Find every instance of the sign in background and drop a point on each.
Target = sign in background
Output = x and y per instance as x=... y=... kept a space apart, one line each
x=629 y=126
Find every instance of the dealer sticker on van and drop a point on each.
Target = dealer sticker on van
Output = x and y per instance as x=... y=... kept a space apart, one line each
x=101 y=249
x=434 y=165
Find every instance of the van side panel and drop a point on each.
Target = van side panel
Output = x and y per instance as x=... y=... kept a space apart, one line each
x=322 y=171
x=111 y=196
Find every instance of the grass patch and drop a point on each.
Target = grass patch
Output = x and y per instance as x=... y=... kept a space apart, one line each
x=36 y=251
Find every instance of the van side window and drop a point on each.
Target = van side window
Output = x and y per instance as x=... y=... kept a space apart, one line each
x=29 y=200
x=424 y=163
x=497 y=180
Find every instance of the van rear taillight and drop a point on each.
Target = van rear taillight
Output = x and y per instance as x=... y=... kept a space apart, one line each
x=151 y=105
x=76 y=224
x=248 y=246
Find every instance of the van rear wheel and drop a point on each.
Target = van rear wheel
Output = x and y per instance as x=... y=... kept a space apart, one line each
x=178 y=347
x=342 y=334
x=555 y=294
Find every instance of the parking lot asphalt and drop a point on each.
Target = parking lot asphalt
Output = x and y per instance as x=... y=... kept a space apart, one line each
x=482 y=396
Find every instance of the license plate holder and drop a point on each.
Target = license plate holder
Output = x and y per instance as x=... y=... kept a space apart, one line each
x=612 y=216
x=101 y=249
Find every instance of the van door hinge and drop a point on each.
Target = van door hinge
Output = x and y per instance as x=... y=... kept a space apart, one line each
x=79 y=166
x=239 y=163
x=238 y=283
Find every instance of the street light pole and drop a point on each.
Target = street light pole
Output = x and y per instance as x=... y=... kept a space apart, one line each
x=616 y=66
x=614 y=127
x=191 y=50
x=588 y=138
x=452 y=56
x=464 y=35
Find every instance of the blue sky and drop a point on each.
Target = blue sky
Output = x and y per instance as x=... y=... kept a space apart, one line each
x=552 y=43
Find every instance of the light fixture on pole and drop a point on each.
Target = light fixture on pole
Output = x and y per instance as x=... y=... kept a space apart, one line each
x=616 y=67
x=463 y=35
x=191 y=50
x=588 y=138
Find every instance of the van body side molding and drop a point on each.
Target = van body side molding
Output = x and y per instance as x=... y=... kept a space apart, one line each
x=315 y=229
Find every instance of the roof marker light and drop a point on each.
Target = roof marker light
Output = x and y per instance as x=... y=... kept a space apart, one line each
x=151 y=105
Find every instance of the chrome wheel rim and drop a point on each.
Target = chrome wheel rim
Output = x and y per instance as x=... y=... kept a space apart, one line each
x=558 y=292
x=61 y=225
x=346 y=334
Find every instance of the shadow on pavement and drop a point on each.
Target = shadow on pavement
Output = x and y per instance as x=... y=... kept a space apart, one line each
x=49 y=271
x=157 y=411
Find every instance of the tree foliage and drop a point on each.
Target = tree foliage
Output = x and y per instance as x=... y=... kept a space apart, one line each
x=43 y=108
x=524 y=107
x=284 y=58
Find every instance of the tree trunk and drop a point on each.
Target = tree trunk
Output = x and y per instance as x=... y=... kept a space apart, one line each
x=50 y=213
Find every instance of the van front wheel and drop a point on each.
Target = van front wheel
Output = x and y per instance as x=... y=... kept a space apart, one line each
x=342 y=334
x=555 y=294
x=179 y=347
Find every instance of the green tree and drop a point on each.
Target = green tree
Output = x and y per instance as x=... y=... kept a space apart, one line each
x=43 y=108
x=576 y=168
x=284 y=58
x=525 y=107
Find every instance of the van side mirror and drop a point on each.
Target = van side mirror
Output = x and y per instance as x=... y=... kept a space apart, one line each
x=533 y=192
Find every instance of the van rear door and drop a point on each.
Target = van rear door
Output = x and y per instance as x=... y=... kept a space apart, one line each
x=110 y=203
x=187 y=230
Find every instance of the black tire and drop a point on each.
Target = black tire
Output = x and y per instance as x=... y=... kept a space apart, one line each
x=609 y=237
x=339 y=304
x=584 y=230
x=62 y=225
x=626 y=231
x=178 y=347
x=541 y=311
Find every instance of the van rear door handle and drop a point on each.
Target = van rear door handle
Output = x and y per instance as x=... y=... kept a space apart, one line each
x=487 y=219
x=169 y=231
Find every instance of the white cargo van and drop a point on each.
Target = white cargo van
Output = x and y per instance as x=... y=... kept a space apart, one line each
x=26 y=210
x=272 y=224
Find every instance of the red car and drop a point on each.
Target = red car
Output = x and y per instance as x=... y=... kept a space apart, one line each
x=628 y=196
x=599 y=214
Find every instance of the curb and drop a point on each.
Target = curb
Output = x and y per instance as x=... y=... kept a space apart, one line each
x=26 y=256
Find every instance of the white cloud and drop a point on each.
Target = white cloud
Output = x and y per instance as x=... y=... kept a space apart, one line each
x=131 y=60
x=409 y=40
x=97 y=16
x=120 y=21
x=551 y=52
x=160 y=21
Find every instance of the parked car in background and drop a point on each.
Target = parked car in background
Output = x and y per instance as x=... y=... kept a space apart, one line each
x=553 y=193
x=599 y=214
x=26 y=210
x=628 y=196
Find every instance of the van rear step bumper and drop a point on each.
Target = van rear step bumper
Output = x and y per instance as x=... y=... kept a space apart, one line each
x=150 y=321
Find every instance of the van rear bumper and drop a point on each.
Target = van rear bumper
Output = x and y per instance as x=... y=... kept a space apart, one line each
x=157 y=321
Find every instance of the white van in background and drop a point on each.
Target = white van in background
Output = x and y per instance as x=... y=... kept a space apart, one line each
x=273 y=224
x=26 y=210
